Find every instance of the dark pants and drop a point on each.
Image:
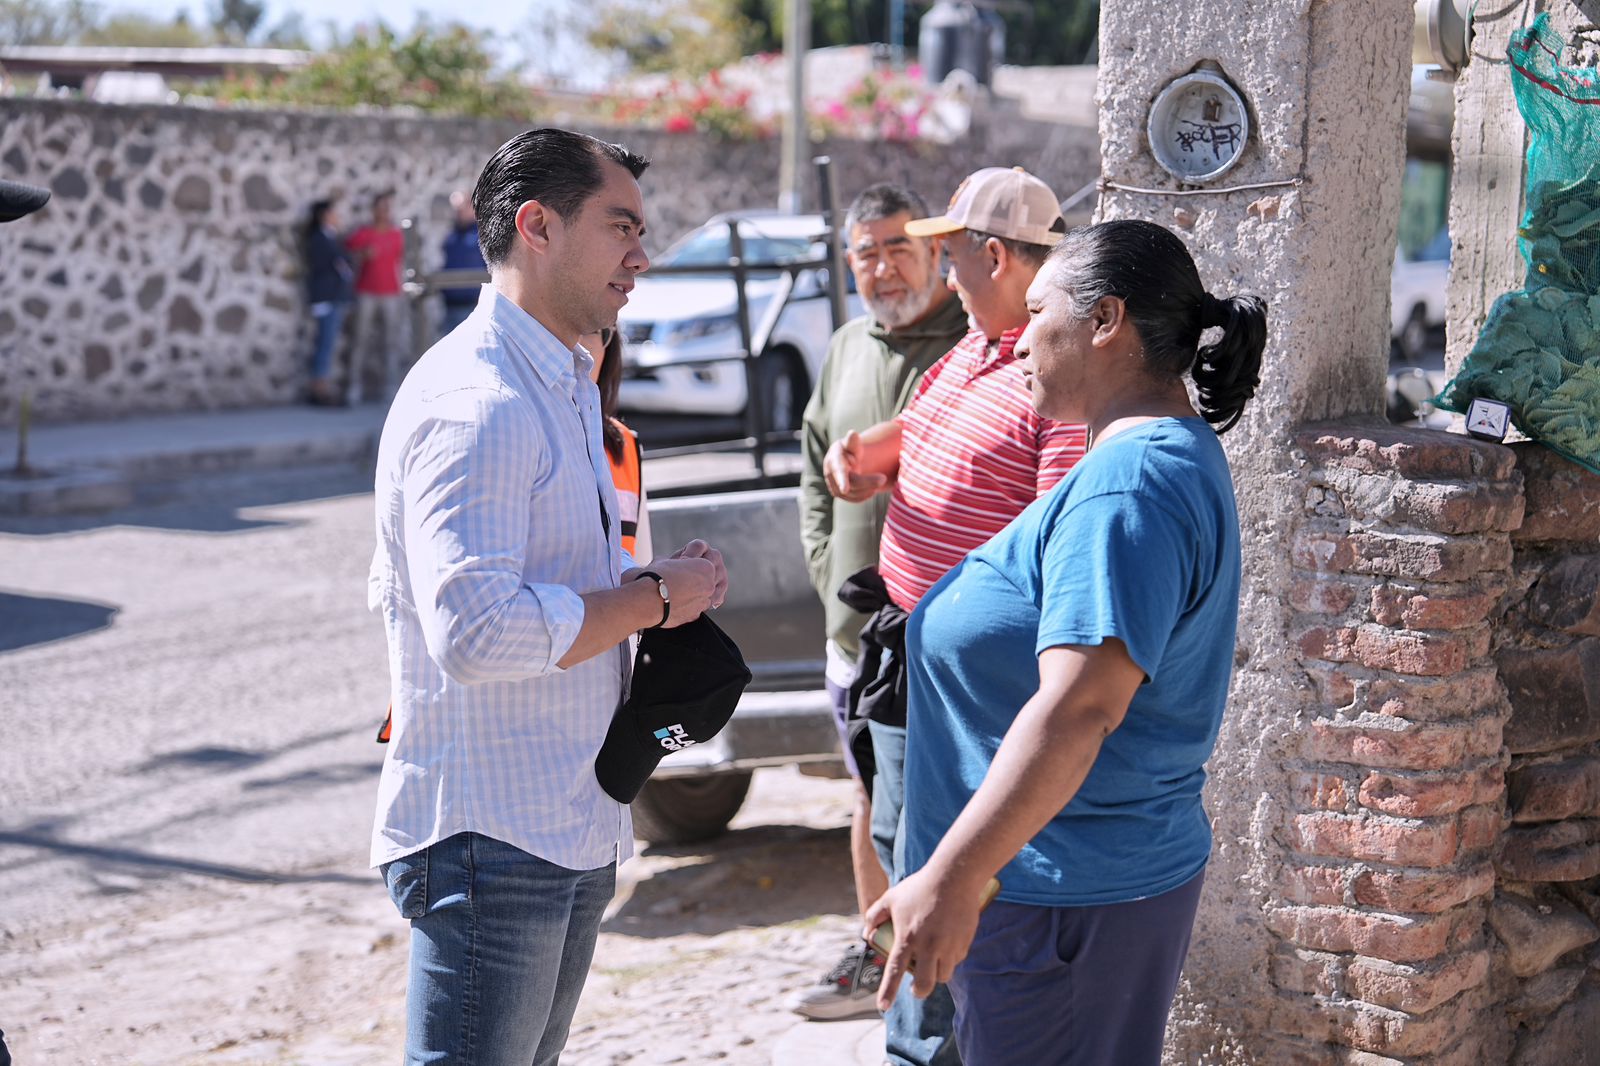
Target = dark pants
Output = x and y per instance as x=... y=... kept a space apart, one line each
x=1073 y=986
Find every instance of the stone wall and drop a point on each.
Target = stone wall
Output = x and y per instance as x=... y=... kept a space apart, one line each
x=1547 y=647
x=165 y=273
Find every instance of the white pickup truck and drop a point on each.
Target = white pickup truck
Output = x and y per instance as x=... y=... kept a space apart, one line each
x=774 y=616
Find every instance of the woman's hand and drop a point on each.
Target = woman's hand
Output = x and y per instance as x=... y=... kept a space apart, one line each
x=934 y=920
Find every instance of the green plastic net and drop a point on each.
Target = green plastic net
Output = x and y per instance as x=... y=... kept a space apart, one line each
x=1539 y=350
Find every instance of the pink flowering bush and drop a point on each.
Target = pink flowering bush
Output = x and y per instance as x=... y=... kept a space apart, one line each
x=879 y=107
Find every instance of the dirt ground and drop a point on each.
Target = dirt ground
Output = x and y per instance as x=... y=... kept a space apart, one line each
x=698 y=952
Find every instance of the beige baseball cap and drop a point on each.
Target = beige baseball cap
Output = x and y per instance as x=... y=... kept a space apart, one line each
x=1005 y=201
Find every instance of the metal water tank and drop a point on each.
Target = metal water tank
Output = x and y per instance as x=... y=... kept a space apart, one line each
x=954 y=36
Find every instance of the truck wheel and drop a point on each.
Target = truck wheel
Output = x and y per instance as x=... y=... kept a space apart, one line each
x=784 y=389
x=683 y=810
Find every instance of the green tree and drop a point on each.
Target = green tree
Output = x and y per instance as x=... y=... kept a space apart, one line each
x=33 y=22
x=236 y=21
x=446 y=68
x=670 y=36
x=131 y=29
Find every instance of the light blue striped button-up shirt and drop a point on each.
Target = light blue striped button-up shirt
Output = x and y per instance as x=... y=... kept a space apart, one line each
x=490 y=483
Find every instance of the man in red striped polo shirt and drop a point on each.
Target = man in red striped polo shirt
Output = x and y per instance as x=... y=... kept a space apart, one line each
x=962 y=460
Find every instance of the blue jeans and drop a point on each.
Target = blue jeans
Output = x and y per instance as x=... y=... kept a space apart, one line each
x=500 y=946
x=918 y=1032
x=327 y=339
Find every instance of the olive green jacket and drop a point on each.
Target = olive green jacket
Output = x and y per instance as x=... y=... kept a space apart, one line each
x=869 y=376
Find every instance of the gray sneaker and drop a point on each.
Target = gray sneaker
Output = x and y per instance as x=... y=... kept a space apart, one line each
x=850 y=989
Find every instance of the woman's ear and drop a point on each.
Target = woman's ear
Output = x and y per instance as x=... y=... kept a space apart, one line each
x=1110 y=317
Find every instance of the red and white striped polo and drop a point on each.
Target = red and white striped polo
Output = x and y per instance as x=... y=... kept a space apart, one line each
x=973 y=454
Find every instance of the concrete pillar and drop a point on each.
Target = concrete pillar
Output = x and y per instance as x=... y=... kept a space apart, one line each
x=1489 y=145
x=1327 y=85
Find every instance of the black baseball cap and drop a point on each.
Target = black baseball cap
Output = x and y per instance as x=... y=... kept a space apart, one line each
x=17 y=199
x=686 y=684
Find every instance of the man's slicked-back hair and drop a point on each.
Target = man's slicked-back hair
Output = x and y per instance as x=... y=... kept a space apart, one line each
x=559 y=168
x=881 y=201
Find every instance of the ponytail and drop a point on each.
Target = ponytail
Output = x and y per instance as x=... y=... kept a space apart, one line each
x=1226 y=373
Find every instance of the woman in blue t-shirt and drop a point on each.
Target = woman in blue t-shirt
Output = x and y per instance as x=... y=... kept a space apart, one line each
x=1067 y=679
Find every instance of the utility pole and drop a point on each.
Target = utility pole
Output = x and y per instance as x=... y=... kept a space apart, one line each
x=897 y=34
x=796 y=132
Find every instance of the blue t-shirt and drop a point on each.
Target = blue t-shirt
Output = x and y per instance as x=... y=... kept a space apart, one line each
x=1139 y=542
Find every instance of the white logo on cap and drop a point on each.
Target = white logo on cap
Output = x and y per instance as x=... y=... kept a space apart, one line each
x=673 y=738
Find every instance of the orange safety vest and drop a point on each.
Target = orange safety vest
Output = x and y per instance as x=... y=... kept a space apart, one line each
x=627 y=474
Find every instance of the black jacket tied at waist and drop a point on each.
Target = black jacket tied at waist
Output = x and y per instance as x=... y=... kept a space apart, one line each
x=878 y=692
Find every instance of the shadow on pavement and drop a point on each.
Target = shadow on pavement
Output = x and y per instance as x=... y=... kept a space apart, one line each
x=128 y=860
x=30 y=620
x=759 y=876
x=206 y=503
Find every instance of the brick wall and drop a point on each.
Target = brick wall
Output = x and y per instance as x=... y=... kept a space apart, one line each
x=1396 y=786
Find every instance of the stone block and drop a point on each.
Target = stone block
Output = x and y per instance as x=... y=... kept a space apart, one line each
x=1464 y=695
x=1314 y=791
x=1394 y=743
x=1402 y=1035
x=1481 y=828
x=1552 y=851
x=1421 y=795
x=1563 y=499
x=1321 y=595
x=1429 y=557
x=1458 y=507
x=1374 y=838
x=1421 y=891
x=1397 y=937
x=1415 y=988
x=1323 y=885
x=1571 y=1036
x=1543 y=993
x=1435 y=654
x=1537 y=933
x=1412 y=453
x=1567 y=596
x=1554 y=694
x=1451 y=607
x=1553 y=792
x=1306 y=972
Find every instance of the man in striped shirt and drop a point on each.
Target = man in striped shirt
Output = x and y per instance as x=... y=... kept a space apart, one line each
x=961 y=461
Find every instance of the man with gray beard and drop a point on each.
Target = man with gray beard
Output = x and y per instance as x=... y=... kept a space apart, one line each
x=873 y=366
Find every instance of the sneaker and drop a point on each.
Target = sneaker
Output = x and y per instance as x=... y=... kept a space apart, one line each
x=850 y=989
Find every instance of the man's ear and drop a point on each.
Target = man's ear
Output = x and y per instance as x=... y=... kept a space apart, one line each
x=537 y=225
x=999 y=256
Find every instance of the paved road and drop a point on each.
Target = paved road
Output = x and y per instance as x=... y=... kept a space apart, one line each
x=188 y=695
x=188 y=691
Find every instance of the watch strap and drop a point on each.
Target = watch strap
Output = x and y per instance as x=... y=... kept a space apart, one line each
x=666 y=596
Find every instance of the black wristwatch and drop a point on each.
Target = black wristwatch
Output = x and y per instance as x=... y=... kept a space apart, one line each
x=666 y=597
